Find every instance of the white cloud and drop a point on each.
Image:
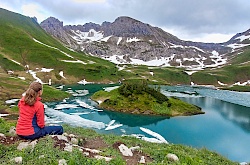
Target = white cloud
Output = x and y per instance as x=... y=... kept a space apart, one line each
x=199 y=37
x=213 y=37
x=32 y=10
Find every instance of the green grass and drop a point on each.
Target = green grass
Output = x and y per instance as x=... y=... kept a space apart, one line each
x=52 y=94
x=242 y=57
x=16 y=43
x=237 y=88
x=187 y=155
x=203 y=78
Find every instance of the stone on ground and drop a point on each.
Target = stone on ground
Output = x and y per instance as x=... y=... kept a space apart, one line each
x=125 y=150
x=172 y=157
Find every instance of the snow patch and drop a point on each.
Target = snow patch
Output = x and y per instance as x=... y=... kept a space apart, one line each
x=52 y=48
x=16 y=62
x=22 y=78
x=242 y=38
x=106 y=39
x=11 y=101
x=92 y=35
x=119 y=40
x=84 y=82
x=242 y=84
x=3 y=115
x=108 y=89
x=190 y=72
x=46 y=70
x=121 y=68
x=236 y=46
x=134 y=39
x=61 y=74
x=77 y=61
x=222 y=84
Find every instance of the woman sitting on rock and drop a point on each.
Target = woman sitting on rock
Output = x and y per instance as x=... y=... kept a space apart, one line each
x=31 y=124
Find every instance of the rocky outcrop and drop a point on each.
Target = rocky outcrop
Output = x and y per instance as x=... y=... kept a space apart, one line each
x=55 y=28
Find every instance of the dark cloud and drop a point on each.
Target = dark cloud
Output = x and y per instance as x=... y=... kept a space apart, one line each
x=190 y=16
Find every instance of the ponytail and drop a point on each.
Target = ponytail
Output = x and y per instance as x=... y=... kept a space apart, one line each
x=32 y=93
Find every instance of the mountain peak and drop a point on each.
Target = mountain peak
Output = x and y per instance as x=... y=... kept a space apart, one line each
x=126 y=19
x=52 y=21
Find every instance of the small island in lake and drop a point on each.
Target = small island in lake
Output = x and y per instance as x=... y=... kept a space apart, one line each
x=139 y=98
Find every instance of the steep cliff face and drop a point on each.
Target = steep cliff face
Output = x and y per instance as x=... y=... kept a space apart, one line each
x=127 y=40
x=55 y=28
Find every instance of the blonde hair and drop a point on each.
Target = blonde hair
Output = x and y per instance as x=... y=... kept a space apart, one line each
x=32 y=93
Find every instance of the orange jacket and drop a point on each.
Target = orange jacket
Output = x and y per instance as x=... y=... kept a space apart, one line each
x=31 y=118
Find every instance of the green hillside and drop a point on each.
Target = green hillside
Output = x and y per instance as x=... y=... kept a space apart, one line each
x=24 y=46
x=25 y=42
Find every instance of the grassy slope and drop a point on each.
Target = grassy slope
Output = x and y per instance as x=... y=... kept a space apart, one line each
x=16 y=43
x=187 y=155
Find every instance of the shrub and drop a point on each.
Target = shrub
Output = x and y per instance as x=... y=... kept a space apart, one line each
x=128 y=89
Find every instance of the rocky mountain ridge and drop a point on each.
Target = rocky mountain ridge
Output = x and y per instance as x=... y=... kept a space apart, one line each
x=129 y=41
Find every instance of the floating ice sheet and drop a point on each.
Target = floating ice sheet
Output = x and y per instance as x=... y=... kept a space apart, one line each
x=74 y=120
x=85 y=105
x=112 y=125
x=154 y=134
x=64 y=106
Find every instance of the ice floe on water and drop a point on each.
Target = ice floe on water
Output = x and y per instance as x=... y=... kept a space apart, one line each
x=154 y=134
x=85 y=105
x=80 y=113
x=156 y=138
x=65 y=106
x=112 y=125
x=60 y=87
x=73 y=120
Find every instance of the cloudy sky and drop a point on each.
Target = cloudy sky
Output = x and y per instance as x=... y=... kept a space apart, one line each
x=195 y=20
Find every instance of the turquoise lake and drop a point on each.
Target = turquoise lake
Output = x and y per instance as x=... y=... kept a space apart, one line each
x=224 y=128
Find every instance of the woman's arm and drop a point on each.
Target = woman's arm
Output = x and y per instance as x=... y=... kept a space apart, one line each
x=40 y=116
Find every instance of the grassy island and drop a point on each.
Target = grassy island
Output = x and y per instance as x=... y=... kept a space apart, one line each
x=139 y=98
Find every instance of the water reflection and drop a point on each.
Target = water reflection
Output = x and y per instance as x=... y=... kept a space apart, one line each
x=134 y=120
x=237 y=114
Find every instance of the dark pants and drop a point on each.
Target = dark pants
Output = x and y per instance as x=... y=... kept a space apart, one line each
x=47 y=130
